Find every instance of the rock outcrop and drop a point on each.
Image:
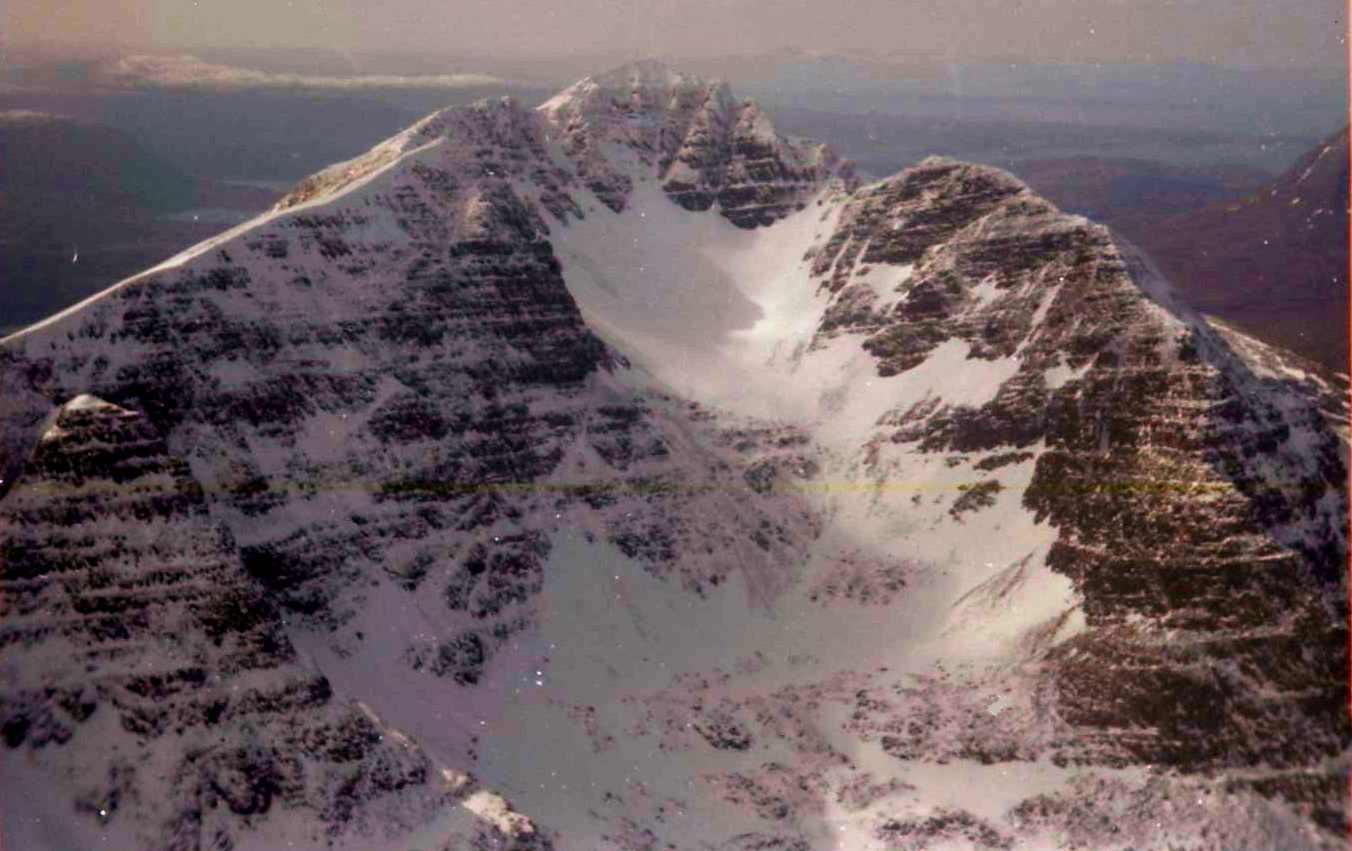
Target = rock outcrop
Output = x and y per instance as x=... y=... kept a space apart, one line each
x=146 y=670
x=706 y=148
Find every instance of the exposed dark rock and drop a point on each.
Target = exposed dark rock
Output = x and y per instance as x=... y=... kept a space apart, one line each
x=706 y=148
x=156 y=623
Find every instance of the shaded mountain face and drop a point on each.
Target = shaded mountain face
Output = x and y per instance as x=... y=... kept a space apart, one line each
x=138 y=626
x=1272 y=261
x=619 y=474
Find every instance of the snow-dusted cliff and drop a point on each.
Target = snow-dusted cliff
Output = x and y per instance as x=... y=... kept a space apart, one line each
x=619 y=474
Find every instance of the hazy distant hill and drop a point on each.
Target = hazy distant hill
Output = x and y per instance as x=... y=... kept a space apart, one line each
x=1119 y=189
x=1272 y=259
x=1274 y=262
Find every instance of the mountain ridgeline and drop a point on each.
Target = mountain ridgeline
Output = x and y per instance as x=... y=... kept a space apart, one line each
x=622 y=474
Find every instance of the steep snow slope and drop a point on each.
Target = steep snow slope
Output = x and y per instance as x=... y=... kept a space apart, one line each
x=631 y=457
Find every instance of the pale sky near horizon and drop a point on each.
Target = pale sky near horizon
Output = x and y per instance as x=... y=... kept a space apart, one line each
x=1289 y=33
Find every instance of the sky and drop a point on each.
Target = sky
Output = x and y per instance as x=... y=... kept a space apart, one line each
x=1235 y=33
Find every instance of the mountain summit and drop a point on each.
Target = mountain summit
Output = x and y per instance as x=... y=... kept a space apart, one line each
x=707 y=147
x=620 y=474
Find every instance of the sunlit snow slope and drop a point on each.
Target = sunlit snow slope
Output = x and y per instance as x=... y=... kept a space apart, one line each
x=620 y=474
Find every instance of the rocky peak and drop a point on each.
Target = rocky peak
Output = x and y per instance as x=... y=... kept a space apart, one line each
x=705 y=147
x=1196 y=501
x=498 y=129
x=644 y=93
x=88 y=436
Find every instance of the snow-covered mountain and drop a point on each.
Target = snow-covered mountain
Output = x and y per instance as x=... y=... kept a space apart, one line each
x=620 y=474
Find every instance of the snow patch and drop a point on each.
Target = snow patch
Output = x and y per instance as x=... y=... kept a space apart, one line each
x=1062 y=374
x=715 y=312
x=953 y=376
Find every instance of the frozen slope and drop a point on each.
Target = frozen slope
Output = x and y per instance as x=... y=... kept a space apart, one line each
x=629 y=458
x=1004 y=393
